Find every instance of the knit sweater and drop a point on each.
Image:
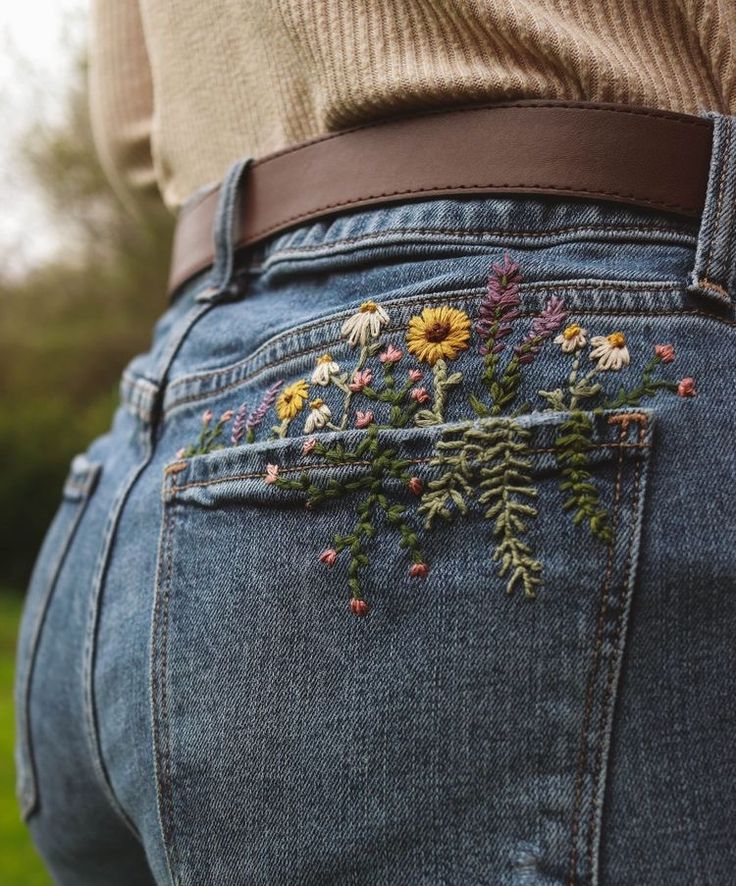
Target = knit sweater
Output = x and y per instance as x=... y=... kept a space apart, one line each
x=181 y=88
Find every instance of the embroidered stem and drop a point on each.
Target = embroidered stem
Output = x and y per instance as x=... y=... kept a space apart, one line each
x=572 y=445
x=441 y=384
x=647 y=387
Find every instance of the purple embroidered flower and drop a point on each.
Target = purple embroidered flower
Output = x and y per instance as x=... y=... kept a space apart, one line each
x=499 y=308
x=238 y=429
x=543 y=326
x=258 y=414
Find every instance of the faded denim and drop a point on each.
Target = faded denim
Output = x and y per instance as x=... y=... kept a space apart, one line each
x=198 y=702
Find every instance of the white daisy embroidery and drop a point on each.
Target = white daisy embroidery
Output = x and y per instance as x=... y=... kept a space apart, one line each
x=365 y=324
x=610 y=351
x=571 y=338
x=324 y=370
x=319 y=415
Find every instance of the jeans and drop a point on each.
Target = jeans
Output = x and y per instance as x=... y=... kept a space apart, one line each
x=408 y=559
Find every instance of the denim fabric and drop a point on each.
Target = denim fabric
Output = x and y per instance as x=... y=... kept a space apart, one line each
x=407 y=559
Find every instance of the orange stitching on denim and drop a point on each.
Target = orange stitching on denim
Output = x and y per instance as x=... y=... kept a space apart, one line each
x=705 y=283
x=590 y=688
x=583 y=312
x=330 y=467
x=616 y=643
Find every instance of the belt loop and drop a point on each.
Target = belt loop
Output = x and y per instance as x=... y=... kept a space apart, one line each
x=226 y=233
x=714 y=274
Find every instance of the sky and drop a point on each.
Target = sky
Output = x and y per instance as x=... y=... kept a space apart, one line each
x=35 y=59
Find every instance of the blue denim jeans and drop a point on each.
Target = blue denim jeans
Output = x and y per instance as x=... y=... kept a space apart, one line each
x=407 y=559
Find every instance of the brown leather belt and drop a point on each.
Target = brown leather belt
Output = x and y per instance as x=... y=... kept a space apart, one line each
x=645 y=156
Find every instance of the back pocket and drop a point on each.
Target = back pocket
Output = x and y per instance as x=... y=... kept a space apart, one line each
x=392 y=654
x=79 y=485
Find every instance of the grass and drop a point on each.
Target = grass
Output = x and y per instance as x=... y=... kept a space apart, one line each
x=19 y=862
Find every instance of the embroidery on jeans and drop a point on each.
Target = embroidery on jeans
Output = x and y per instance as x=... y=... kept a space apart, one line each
x=485 y=462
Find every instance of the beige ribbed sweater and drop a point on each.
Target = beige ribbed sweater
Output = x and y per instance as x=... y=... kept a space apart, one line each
x=181 y=88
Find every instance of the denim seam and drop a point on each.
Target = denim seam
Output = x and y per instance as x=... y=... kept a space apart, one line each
x=159 y=697
x=29 y=794
x=609 y=697
x=89 y=656
x=715 y=226
x=184 y=381
x=287 y=252
x=590 y=692
x=175 y=487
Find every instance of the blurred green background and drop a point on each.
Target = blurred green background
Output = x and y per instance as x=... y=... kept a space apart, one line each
x=68 y=325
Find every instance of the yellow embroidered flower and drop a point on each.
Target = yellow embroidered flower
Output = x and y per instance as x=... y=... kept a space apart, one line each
x=291 y=400
x=610 y=351
x=325 y=368
x=571 y=338
x=438 y=333
x=318 y=416
x=364 y=325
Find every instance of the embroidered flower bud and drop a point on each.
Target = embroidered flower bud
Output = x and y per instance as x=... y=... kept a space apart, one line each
x=360 y=380
x=419 y=570
x=363 y=419
x=309 y=445
x=328 y=556
x=207 y=417
x=416 y=485
x=391 y=355
x=419 y=394
x=359 y=607
x=180 y=452
x=272 y=474
x=666 y=353
x=415 y=375
x=227 y=415
x=686 y=387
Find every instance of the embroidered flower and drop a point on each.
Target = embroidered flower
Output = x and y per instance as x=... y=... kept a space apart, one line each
x=415 y=485
x=543 y=326
x=415 y=375
x=260 y=411
x=207 y=417
x=291 y=400
x=359 y=607
x=391 y=355
x=499 y=308
x=272 y=474
x=572 y=338
x=666 y=353
x=686 y=387
x=328 y=557
x=419 y=570
x=363 y=419
x=438 y=333
x=318 y=417
x=325 y=368
x=360 y=380
x=421 y=395
x=610 y=351
x=364 y=325
x=309 y=446
x=180 y=453
x=238 y=429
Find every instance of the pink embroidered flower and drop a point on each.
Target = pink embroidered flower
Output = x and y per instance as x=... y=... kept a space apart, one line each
x=328 y=557
x=416 y=486
x=227 y=415
x=391 y=355
x=207 y=417
x=415 y=375
x=666 y=353
x=419 y=570
x=363 y=419
x=180 y=452
x=419 y=394
x=272 y=474
x=686 y=388
x=359 y=607
x=361 y=380
x=309 y=445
